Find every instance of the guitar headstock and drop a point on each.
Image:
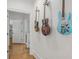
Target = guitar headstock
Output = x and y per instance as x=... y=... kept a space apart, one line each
x=46 y=2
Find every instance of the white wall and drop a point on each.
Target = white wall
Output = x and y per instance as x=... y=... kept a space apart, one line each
x=55 y=45
x=27 y=30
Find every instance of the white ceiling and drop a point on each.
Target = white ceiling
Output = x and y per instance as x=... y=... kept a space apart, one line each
x=30 y=1
x=24 y=6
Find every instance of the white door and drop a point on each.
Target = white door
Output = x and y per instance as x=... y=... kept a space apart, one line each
x=18 y=31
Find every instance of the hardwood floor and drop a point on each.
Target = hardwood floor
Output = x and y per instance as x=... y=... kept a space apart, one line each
x=19 y=51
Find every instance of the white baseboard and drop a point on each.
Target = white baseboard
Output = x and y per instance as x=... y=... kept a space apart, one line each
x=35 y=54
x=27 y=45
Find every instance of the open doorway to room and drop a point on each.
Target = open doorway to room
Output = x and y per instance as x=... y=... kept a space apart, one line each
x=18 y=35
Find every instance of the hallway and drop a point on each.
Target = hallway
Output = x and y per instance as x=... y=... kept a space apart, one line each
x=19 y=51
x=38 y=25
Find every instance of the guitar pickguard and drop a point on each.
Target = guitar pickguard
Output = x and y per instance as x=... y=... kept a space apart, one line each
x=67 y=28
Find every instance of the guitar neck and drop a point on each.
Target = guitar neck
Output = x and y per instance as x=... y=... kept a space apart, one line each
x=45 y=4
x=63 y=8
x=44 y=10
x=36 y=13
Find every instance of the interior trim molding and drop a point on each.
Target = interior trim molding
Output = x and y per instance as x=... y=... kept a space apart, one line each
x=35 y=54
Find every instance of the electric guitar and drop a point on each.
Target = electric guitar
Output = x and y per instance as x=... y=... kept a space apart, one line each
x=64 y=23
x=45 y=26
x=36 y=27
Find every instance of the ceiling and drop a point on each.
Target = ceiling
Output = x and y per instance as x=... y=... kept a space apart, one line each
x=24 y=6
x=30 y=1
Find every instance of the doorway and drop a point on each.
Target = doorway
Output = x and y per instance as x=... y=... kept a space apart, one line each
x=18 y=23
x=18 y=34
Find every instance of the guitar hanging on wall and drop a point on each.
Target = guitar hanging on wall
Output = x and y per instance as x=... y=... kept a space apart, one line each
x=45 y=26
x=64 y=23
x=36 y=27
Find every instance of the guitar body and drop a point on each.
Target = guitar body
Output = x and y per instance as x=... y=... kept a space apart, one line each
x=45 y=27
x=67 y=27
x=36 y=26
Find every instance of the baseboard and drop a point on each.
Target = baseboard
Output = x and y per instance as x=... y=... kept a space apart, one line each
x=19 y=43
x=27 y=45
x=35 y=54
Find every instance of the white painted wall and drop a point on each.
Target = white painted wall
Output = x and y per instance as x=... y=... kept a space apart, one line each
x=17 y=31
x=27 y=30
x=54 y=46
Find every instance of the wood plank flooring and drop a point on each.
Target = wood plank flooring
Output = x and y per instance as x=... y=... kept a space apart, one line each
x=19 y=51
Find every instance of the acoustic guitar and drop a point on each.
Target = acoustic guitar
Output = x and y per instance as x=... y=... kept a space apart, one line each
x=64 y=23
x=45 y=26
x=36 y=27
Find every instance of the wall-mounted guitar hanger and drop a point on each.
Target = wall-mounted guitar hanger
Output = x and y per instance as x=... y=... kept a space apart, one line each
x=45 y=26
x=36 y=27
x=64 y=26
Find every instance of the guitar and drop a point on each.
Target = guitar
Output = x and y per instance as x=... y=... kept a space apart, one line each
x=36 y=27
x=64 y=23
x=45 y=26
